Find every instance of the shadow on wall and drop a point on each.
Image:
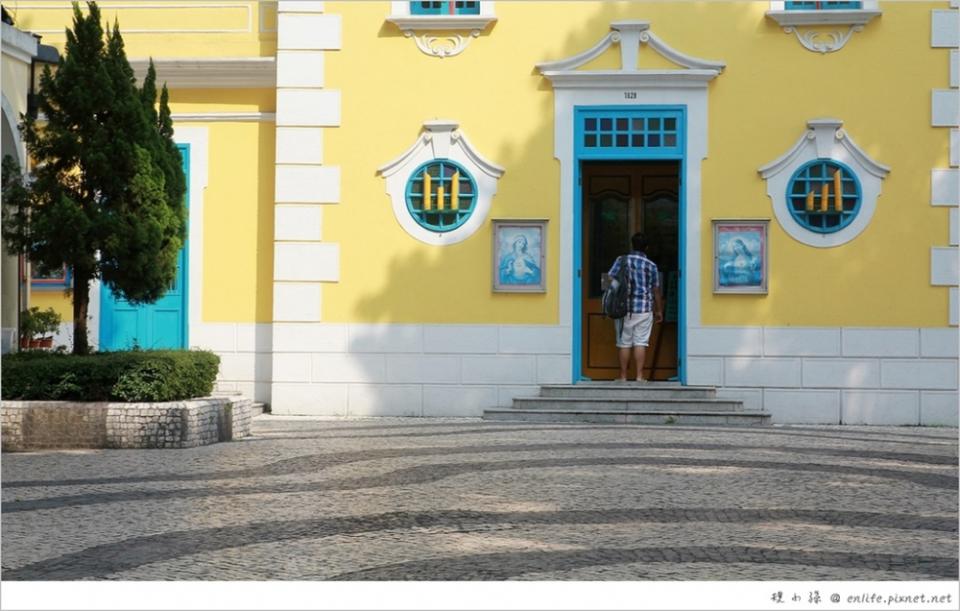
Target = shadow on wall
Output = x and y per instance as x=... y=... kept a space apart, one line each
x=425 y=268
x=435 y=372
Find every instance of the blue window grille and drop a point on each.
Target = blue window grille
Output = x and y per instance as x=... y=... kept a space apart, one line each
x=441 y=195
x=604 y=131
x=457 y=7
x=821 y=6
x=824 y=196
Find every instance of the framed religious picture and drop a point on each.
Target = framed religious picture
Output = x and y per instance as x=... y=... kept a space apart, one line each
x=740 y=256
x=519 y=256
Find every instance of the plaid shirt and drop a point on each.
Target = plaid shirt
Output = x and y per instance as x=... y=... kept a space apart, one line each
x=644 y=278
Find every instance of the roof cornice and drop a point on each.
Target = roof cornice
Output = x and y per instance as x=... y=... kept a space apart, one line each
x=211 y=72
x=18 y=44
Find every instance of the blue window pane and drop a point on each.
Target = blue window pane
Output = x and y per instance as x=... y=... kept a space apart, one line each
x=426 y=8
x=623 y=129
x=824 y=5
x=457 y=7
x=467 y=8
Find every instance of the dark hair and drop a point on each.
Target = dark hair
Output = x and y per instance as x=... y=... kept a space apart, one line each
x=639 y=241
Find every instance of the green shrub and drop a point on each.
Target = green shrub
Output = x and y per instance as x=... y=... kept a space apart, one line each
x=135 y=376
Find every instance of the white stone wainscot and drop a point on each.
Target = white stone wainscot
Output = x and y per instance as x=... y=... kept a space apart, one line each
x=35 y=425
x=245 y=351
x=335 y=369
x=882 y=376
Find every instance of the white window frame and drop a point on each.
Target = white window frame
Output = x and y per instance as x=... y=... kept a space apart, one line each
x=824 y=42
x=457 y=30
x=861 y=16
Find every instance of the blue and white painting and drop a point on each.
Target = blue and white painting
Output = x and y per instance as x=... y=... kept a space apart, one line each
x=740 y=253
x=518 y=256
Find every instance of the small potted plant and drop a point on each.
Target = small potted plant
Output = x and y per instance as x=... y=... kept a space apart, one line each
x=37 y=327
x=28 y=327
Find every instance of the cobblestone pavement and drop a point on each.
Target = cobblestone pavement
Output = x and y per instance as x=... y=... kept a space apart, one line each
x=435 y=499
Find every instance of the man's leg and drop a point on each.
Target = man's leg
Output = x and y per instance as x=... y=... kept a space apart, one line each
x=624 y=354
x=640 y=341
x=639 y=354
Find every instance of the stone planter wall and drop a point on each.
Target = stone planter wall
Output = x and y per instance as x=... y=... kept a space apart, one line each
x=35 y=425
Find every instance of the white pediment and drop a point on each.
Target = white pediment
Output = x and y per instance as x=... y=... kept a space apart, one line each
x=631 y=36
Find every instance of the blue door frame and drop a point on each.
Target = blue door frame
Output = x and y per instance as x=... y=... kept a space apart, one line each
x=111 y=337
x=582 y=153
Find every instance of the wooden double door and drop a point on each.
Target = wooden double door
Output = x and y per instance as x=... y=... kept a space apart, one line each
x=620 y=199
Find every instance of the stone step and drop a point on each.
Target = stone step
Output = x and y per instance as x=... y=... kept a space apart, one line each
x=739 y=418
x=586 y=404
x=259 y=408
x=628 y=390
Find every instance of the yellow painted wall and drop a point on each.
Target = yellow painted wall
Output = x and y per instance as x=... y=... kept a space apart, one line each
x=238 y=227
x=214 y=28
x=879 y=85
x=386 y=275
x=222 y=100
x=57 y=300
x=238 y=219
x=238 y=223
x=14 y=84
x=238 y=203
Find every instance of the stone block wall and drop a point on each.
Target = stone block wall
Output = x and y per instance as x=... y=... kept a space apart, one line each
x=35 y=425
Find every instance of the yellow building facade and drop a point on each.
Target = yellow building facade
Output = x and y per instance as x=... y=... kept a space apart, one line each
x=22 y=51
x=405 y=208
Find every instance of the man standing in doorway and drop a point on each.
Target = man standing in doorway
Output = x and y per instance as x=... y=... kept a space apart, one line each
x=645 y=304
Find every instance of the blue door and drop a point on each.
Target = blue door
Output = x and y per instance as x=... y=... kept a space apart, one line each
x=162 y=324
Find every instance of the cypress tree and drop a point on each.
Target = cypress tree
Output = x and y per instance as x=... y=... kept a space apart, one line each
x=106 y=197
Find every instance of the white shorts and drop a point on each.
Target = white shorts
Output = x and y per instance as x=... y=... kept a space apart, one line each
x=634 y=330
